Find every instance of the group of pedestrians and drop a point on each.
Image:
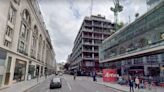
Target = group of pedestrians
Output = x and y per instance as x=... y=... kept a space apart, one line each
x=137 y=83
x=133 y=83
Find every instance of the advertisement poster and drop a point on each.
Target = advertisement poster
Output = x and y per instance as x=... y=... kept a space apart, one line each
x=110 y=75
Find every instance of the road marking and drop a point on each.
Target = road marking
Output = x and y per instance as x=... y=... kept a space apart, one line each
x=59 y=91
x=69 y=86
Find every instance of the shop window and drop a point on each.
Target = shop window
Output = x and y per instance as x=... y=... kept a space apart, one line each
x=20 y=70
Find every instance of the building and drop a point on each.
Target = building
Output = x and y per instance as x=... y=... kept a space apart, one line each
x=137 y=48
x=152 y=3
x=25 y=45
x=85 y=53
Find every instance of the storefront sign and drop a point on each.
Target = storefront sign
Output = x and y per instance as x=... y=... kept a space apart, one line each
x=110 y=75
x=2 y=70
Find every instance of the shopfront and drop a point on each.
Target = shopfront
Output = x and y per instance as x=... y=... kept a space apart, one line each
x=20 y=70
x=3 y=55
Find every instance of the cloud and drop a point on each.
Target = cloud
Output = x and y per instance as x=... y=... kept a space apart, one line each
x=63 y=18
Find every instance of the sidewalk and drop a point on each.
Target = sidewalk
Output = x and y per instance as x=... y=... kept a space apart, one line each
x=24 y=85
x=125 y=88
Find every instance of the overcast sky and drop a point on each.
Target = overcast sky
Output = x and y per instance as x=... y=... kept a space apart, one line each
x=63 y=19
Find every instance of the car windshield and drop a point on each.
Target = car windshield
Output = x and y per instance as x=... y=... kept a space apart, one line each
x=56 y=80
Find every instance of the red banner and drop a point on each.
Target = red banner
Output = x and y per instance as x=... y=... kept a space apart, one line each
x=110 y=75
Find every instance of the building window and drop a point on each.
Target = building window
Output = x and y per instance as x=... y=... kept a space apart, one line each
x=162 y=36
x=23 y=31
x=7 y=43
x=26 y=16
x=9 y=32
x=152 y=59
x=138 y=60
x=17 y=1
x=12 y=14
x=162 y=57
x=22 y=46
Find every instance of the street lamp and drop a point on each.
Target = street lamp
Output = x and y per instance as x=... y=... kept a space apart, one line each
x=117 y=8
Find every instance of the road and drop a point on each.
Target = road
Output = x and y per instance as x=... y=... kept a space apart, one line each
x=81 y=84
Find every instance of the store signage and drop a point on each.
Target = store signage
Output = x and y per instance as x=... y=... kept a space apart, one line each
x=2 y=70
x=110 y=75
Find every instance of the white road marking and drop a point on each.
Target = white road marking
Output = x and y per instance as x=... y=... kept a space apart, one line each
x=69 y=86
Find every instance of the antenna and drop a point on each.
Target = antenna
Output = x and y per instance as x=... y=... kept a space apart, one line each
x=91 y=7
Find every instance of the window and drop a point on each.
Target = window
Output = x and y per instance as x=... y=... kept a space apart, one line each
x=7 y=43
x=23 y=31
x=17 y=1
x=138 y=60
x=26 y=16
x=162 y=36
x=22 y=46
x=12 y=14
x=9 y=31
x=152 y=59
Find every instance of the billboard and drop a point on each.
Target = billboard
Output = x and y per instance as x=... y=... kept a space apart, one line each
x=110 y=75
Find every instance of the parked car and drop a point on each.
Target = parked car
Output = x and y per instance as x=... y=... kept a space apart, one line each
x=55 y=83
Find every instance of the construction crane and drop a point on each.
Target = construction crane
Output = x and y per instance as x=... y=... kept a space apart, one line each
x=116 y=9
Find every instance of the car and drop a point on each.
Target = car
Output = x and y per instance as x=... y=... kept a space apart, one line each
x=55 y=83
x=60 y=74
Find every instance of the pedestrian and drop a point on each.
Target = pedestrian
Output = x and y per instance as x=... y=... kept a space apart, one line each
x=94 y=76
x=137 y=82
x=131 y=84
x=150 y=82
x=75 y=74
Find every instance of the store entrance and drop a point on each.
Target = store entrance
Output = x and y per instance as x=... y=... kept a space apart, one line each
x=20 y=70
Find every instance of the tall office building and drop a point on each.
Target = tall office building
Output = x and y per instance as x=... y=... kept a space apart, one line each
x=85 y=53
x=25 y=45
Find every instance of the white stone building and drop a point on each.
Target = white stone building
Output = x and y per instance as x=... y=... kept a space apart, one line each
x=25 y=45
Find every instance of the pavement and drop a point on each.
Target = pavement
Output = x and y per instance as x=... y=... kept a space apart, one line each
x=24 y=85
x=125 y=88
x=81 y=84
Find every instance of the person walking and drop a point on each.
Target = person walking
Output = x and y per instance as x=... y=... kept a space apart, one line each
x=94 y=76
x=137 y=82
x=75 y=74
x=131 y=84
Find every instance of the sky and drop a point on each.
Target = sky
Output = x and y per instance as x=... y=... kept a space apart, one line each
x=63 y=19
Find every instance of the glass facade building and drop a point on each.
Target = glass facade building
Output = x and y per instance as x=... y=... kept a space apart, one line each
x=137 y=48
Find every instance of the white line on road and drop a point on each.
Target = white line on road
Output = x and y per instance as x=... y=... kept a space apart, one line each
x=69 y=86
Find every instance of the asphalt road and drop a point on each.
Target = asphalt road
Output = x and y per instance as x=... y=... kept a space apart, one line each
x=81 y=84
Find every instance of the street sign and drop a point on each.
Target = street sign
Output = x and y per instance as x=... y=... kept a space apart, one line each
x=110 y=75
